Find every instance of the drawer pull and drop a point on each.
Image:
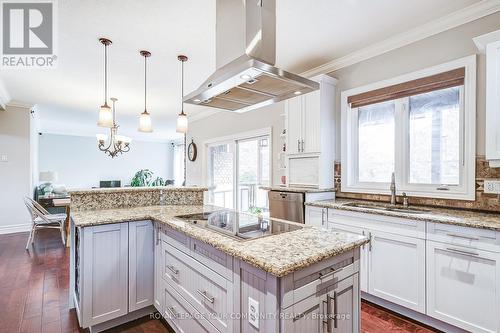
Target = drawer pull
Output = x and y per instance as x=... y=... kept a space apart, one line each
x=462 y=236
x=323 y=275
x=205 y=296
x=173 y=269
x=172 y=312
x=462 y=251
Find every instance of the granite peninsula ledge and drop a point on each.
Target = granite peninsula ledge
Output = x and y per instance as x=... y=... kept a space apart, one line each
x=278 y=255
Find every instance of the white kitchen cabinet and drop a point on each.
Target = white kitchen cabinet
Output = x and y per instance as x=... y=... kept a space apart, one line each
x=311 y=136
x=309 y=117
x=316 y=216
x=141 y=264
x=463 y=286
x=397 y=269
x=489 y=44
x=105 y=273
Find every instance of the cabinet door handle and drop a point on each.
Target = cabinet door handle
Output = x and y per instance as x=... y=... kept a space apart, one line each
x=205 y=296
x=298 y=146
x=462 y=251
x=157 y=234
x=322 y=216
x=172 y=312
x=173 y=269
x=329 y=313
x=370 y=246
x=302 y=145
x=464 y=237
x=335 y=306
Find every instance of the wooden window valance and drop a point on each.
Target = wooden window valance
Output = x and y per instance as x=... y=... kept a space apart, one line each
x=453 y=78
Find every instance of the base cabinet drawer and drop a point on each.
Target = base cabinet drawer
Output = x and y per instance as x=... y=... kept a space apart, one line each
x=182 y=317
x=463 y=287
x=207 y=291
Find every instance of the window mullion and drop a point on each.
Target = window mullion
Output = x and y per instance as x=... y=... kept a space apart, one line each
x=401 y=143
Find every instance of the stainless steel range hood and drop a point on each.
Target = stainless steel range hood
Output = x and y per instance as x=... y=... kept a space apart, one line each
x=249 y=81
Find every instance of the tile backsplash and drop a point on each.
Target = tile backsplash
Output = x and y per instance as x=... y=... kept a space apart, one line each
x=484 y=201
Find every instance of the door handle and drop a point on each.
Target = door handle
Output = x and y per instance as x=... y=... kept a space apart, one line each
x=322 y=216
x=298 y=146
x=302 y=145
x=462 y=251
x=173 y=270
x=329 y=313
x=172 y=312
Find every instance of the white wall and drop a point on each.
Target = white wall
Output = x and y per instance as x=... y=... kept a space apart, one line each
x=15 y=174
x=80 y=164
x=446 y=46
x=227 y=123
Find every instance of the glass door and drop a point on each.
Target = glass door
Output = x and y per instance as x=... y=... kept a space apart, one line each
x=253 y=171
x=221 y=174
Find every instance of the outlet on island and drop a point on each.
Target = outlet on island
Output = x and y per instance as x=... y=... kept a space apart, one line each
x=253 y=312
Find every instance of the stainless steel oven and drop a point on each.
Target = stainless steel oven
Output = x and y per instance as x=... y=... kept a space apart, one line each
x=286 y=205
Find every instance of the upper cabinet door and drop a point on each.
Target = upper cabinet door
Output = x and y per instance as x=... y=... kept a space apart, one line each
x=493 y=102
x=312 y=123
x=141 y=264
x=105 y=265
x=294 y=126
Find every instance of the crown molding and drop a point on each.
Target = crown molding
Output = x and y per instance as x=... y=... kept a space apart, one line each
x=450 y=21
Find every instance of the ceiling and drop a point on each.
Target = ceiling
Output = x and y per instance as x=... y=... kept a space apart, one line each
x=67 y=98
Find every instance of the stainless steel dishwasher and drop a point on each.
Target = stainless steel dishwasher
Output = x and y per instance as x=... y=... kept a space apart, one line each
x=286 y=205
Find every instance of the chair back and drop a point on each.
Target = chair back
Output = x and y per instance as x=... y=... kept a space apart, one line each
x=31 y=209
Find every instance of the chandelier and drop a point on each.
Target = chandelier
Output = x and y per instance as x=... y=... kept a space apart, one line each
x=117 y=144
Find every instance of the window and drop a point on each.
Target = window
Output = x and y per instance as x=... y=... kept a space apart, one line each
x=420 y=126
x=237 y=168
x=376 y=157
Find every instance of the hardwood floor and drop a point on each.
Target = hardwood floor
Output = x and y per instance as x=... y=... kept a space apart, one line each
x=34 y=289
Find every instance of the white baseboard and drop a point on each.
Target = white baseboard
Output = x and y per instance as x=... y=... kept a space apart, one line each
x=13 y=228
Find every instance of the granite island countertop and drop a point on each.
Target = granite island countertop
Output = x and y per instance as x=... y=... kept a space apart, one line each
x=278 y=255
x=297 y=189
x=464 y=218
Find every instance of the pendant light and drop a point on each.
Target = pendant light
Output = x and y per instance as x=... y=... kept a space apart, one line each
x=182 y=121
x=105 y=112
x=145 y=117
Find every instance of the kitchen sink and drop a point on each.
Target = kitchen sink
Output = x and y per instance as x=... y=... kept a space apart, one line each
x=383 y=207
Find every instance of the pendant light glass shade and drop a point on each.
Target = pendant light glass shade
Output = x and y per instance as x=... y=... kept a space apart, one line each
x=105 y=117
x=145 y=122
x=182 y=123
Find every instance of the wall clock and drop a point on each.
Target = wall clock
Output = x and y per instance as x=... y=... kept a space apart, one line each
x=192 y=151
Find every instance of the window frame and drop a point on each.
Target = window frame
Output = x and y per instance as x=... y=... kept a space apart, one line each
x=349 y=143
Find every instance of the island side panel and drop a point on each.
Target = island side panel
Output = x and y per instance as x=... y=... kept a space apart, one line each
x=262 y=288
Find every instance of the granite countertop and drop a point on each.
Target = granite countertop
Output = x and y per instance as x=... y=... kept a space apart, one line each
x=278 y=255
x=297 y=189
x=464 y=218
x=136 y=189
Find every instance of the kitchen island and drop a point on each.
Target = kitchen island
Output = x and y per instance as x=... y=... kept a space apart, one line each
x=206 y=269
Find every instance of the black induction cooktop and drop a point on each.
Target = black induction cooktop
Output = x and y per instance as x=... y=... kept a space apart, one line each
x=239 y=225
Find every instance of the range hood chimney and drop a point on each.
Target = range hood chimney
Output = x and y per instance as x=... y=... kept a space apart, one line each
x=246 y=78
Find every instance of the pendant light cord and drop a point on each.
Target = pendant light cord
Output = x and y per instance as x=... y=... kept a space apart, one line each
x=182 y=87
x=105 y=74
x=145 y=82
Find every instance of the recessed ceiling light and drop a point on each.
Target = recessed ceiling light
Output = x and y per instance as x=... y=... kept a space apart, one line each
x=197 y=100
x=245 y=77
x=298 y=92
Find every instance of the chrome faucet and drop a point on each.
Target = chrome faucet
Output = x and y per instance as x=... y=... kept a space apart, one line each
x=393 y=189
